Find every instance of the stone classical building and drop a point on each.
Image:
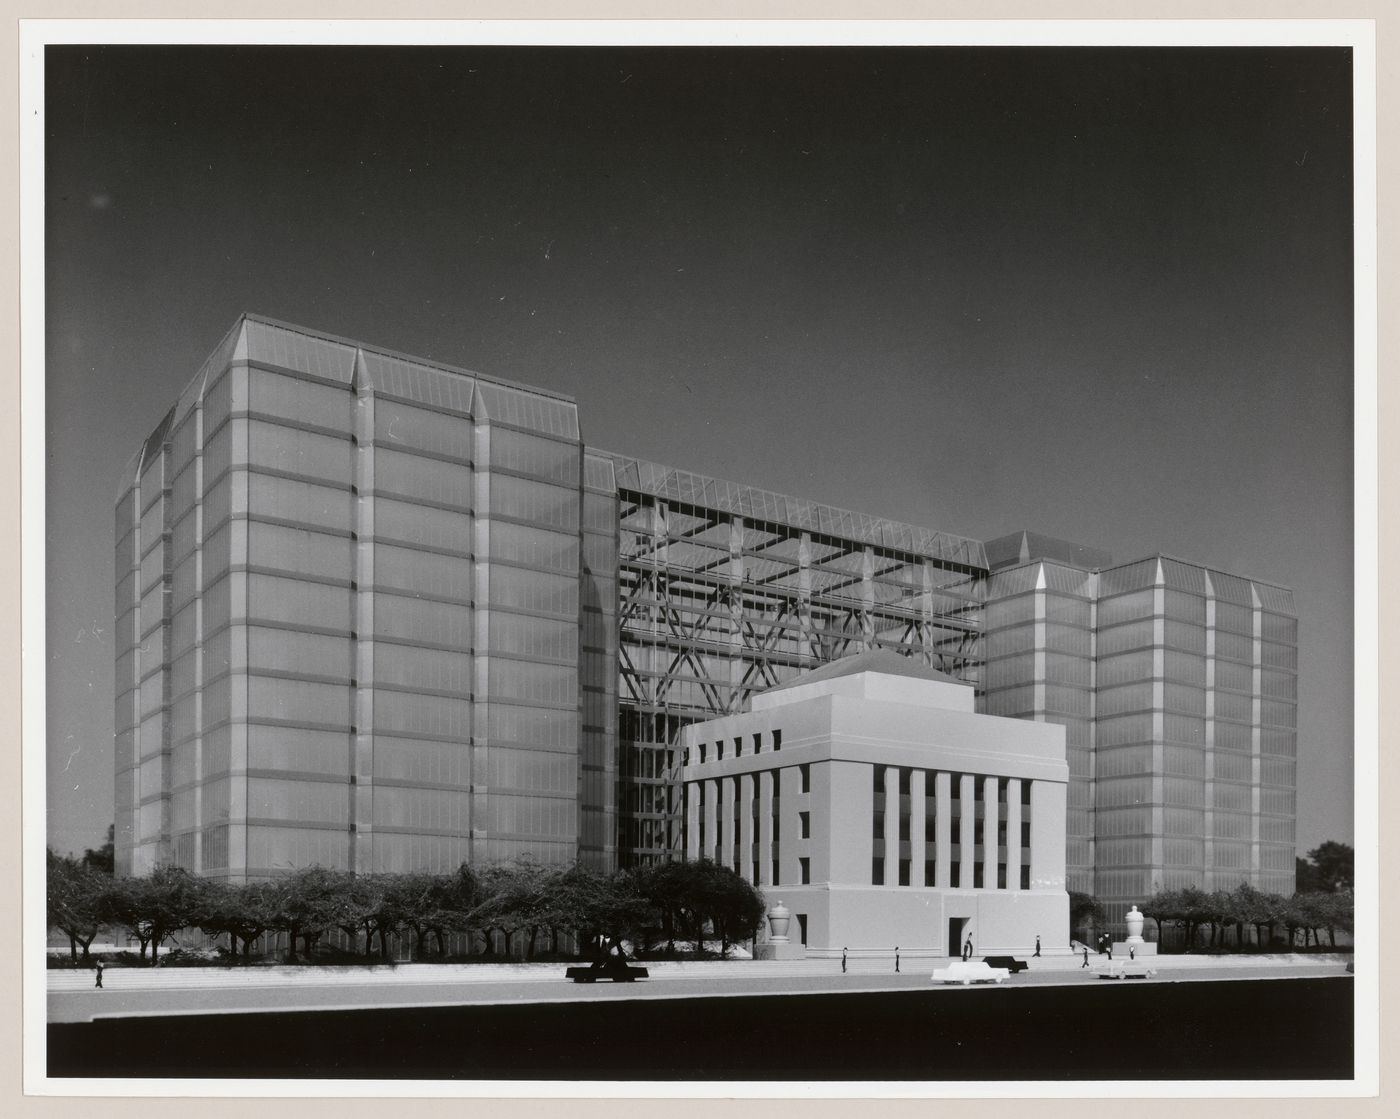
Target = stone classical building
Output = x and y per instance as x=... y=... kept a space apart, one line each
x=882 y=810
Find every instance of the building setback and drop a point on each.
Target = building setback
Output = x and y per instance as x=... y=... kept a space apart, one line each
x=375 y=612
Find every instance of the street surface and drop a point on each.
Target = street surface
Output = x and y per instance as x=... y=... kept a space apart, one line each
x=1198 y=1023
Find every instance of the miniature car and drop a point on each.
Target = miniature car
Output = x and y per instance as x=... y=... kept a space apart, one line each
x=614 y=968
x=1126 y=969
x=972 y=971
x=1011 y=964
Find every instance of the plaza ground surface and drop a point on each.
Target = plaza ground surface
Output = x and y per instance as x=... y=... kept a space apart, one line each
x=1240 y=1018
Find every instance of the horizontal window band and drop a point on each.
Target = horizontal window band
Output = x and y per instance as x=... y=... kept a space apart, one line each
x=189 y=556
x=567 y=839
x=199 y=781
x=529 y=705
x=418 y=596
x=381 y=493
x=293 y=424
x=248 y=470
x=423 y=406
x=560 y=797
x=525 y=747
x=224 y=477
x=572 y=488
x=426 y=549
x=153 y=497
x=397 y=738
x=253 y=621
x=532 y=568
x=417 y=736
x=402 y=447
x=491 y=516
x=161 y=668
x=272 y=822
x=160 y=543
x=292 y=374
x=254 y=469
x=250 y=517
x=260 y=673
x=242 y=720
x=551 y=436
x=217 y=384
x=522 y=612
x=1033 y=681
x=305 y=776
x=399 y=783
x=292 y=523
x=417 y=500
x=414 y=689
x=376 y=639
x=1046 y=592
x=500 y=656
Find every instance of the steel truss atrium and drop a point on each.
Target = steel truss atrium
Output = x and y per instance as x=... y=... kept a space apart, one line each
x=725 y=590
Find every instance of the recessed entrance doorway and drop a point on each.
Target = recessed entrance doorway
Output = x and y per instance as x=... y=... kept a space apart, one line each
x=957 y=928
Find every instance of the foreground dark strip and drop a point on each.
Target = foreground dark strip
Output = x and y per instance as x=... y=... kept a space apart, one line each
x=1259 y=1029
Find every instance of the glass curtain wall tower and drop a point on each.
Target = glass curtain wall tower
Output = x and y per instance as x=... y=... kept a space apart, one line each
x=348 y=610
x=1177 y=685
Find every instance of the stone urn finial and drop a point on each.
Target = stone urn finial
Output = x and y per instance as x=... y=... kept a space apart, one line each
x=778 y=918
x=1134 y=923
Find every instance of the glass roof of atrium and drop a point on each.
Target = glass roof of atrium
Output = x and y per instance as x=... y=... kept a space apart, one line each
x=762 y=505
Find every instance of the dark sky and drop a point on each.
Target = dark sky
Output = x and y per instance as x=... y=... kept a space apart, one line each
x=1101 y=294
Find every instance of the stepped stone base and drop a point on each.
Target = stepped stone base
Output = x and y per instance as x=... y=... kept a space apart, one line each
x=777 y=950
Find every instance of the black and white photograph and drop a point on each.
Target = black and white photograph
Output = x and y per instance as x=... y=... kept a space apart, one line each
x=702 y=558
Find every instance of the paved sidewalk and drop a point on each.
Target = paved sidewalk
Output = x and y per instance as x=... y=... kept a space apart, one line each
x=188 y=978
x=163 y=993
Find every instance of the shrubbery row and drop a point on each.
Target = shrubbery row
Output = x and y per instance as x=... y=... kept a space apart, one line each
x=1191 y=910
x=519 y=901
